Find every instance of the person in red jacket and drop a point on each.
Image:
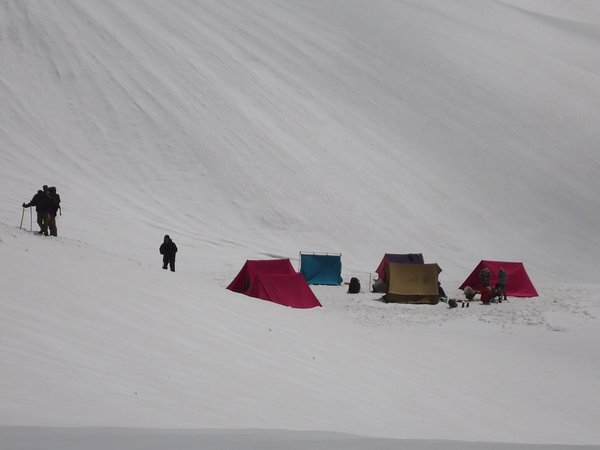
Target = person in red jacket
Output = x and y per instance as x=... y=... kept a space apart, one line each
x=168 y=250
x=486 y=295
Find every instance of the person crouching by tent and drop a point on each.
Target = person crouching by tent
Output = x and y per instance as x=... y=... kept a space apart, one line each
x=441 y=293
x=486 y=295
x=168 y=249
x=469 y=295
x=496 y=294
x=380 y=286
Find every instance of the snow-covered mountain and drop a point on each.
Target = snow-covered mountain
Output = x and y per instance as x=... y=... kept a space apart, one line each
x=461 y=129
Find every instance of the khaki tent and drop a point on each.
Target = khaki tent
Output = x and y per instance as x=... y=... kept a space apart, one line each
x=413 y=283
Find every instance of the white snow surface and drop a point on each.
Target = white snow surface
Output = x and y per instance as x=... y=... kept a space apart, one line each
x=461 y=129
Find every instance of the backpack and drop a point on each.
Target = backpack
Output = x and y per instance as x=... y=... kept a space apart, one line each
x=354 y=287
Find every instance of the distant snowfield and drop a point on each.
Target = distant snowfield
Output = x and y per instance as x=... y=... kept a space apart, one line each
x=465 y=130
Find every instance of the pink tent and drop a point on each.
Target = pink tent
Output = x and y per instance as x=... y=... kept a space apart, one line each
x=275 y=281
x=252 y=268
x=517 y=285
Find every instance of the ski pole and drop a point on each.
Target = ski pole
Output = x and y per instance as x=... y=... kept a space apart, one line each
x=30 y=221
x=22 y=215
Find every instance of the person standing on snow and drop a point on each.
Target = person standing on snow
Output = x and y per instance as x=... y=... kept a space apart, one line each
x=54 y=207
x=484 y=277
x=501 y=285
x=41 y=201
x=168 y=250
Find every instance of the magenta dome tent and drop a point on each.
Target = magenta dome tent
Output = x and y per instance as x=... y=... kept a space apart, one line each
x=276 y=281
x=518 y=283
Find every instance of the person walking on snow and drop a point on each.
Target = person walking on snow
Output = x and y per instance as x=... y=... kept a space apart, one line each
x=54 y=207
x=41 y=201
x=168 y=250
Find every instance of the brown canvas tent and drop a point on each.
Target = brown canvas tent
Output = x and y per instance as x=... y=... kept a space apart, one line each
x=413 y=283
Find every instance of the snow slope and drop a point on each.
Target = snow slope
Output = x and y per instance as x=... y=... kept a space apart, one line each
x=460 y=129
x=272 y=126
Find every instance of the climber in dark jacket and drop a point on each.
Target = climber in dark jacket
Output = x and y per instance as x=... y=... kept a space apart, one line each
x=485 y=276
x=54 y=207
x=168 y=250
x=42 y=207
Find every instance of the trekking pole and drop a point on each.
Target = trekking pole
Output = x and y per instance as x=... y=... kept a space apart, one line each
x=22 y=215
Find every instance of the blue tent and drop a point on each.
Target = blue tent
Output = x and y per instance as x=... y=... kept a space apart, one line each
x=321 y=268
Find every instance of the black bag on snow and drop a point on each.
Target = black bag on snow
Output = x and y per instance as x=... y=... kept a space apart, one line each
x=354 y=287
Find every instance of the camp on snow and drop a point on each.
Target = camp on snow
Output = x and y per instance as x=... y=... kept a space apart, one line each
x=518 y=283
x=276 y=281
x=321 y=268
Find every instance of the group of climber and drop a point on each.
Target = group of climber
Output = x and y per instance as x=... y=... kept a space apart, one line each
x=47 y=205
